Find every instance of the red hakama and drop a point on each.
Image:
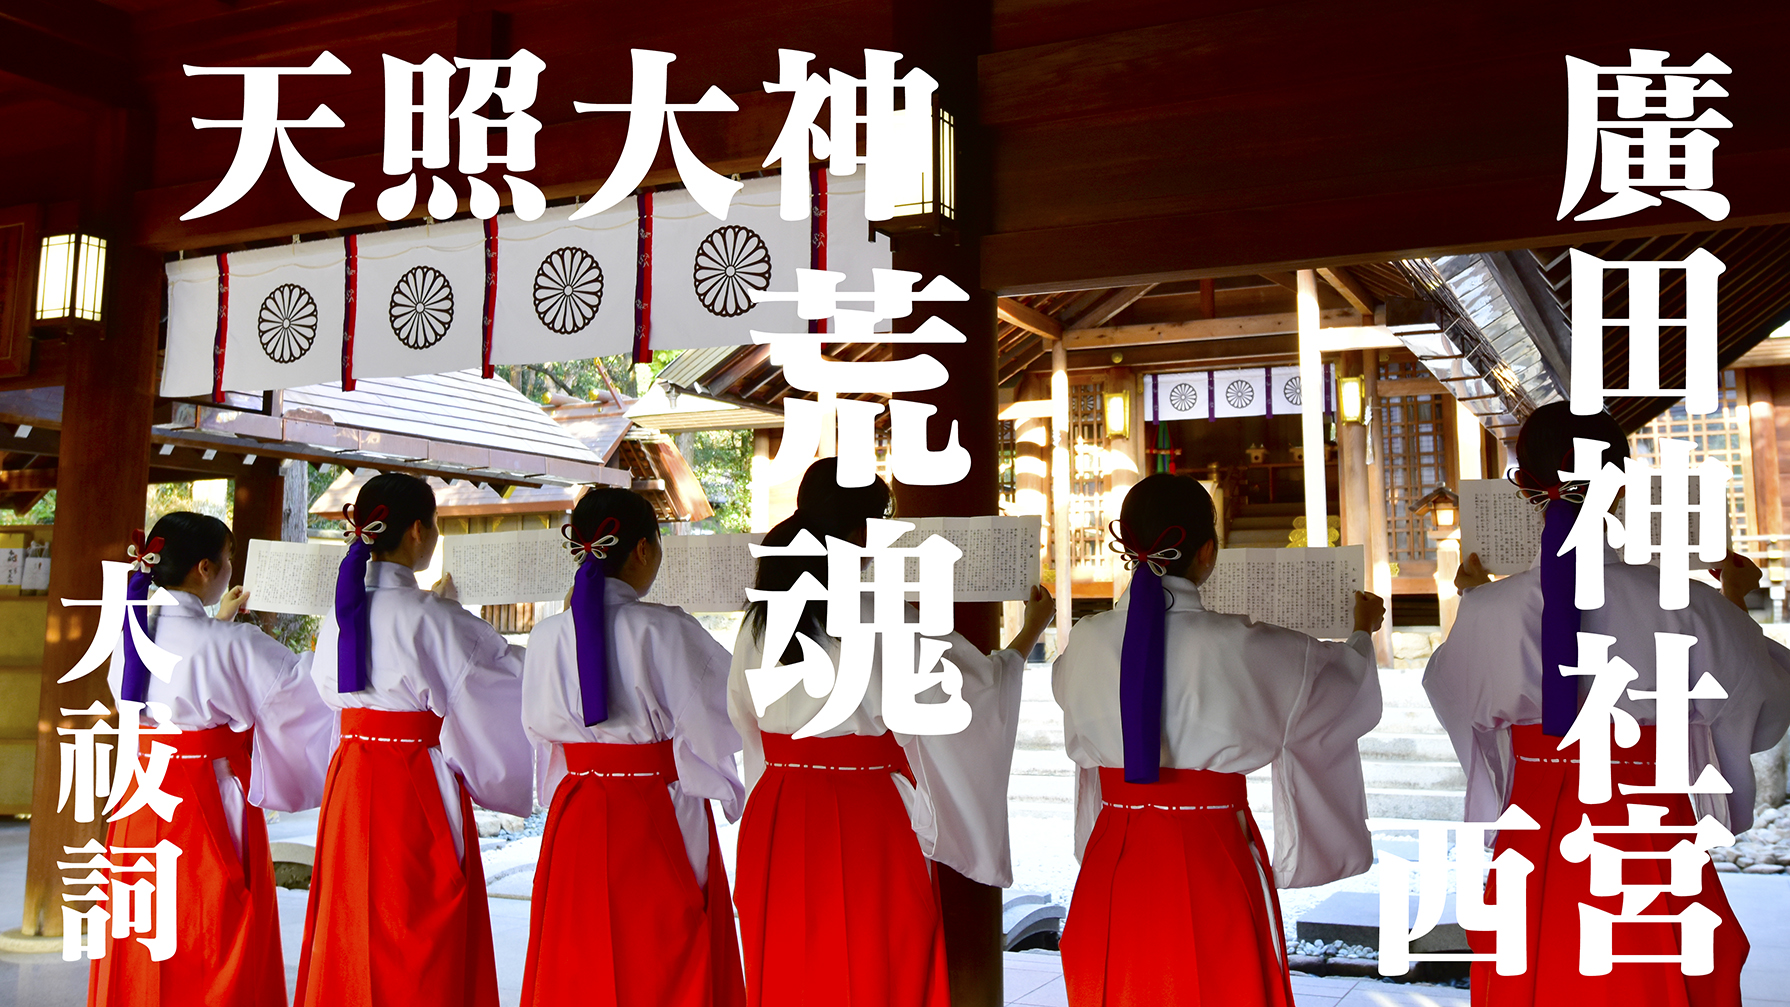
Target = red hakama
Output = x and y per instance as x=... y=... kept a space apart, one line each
x=837 y=904
x=229 y=925
x=1546 y=786
x=396 y=916
x=1172 y=905
x=618 y=919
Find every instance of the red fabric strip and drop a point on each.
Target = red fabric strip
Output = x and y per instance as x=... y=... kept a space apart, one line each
x=350 y=264
x=490 y=295
x=217 y=344
x=643 y=282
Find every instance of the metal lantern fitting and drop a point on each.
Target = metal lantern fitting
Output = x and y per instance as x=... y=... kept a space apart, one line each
x=928 y=200
x=1351 y=399
x=1442 y=506
x=71 y=280
x=1117 y=415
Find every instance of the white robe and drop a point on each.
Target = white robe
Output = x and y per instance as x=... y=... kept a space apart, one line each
x=234 y=675
x=1487 y=677
x=667 y=681
x=959 y=808
x=428 y=653
x=1238 y=696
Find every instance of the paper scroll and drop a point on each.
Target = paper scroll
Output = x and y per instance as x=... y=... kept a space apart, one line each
x=705 y=573
x=507 y=567
x=1499 y=525
x=297 y=578
x=1309 y=590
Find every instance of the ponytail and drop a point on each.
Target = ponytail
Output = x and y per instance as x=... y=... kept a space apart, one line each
x=1544 y=447
x=1163 y=524
x=382 y=514
x=606 y=526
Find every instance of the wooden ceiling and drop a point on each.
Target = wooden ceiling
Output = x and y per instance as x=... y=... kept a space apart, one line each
x=1134 y=147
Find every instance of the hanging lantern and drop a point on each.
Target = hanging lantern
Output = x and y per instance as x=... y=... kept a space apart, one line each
x=1442 y=506
x=928 y=199
x=71 y=281
x=1351 y=399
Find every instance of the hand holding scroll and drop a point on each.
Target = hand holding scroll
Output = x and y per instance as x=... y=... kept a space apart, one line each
x=1471 y=574
x=234 y=600
x=1370 y=612
x=1739 y=576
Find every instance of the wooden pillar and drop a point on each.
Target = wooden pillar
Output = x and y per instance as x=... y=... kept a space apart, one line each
x=1378 y=554
x=258 y=511
x=101 y=484
x=1351 y=467
x=761 y=480
x=1469 y=439
x=1768 y=498
x=1062 y=460
x=945 y=39
x=1311 y=411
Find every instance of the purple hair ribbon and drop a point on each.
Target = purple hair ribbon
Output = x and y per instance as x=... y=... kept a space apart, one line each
x=590 y=623
x=354 y=636
x=1559 y=621
x=134 y=686
x=1143 y=653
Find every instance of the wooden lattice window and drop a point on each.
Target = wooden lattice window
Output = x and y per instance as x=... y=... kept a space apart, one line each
x=1007 y=443
x=1415 y=438
x=1087 y=489
x=1719 y=435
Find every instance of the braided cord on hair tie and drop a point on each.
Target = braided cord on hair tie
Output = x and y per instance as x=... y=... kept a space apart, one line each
x=1157 y=556
x=368 y=532
x=1572 y=491
x=597 y=546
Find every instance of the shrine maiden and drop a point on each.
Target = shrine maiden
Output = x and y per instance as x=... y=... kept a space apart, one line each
x=1486 y=684
x=837 y=901
x=240 y=699
x=626 y=702
x=431 y=722
x=1165 y=707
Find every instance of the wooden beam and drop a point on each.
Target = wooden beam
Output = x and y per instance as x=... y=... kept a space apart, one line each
x=78 y=47
x=27 y=480
x=1287 y=280
x=1028 y=318
x=1109 y=307
x=1347 y=285
x=1200 y=328
x=1397 y=387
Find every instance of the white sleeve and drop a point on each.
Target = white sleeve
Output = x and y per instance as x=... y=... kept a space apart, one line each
x=1752 y=718
x=1320 y=803
x=539 y=665
x=964 y=776
x=696 y=692
x=739 y=706
x=294 y=727
x=481 y=733
x=1087 y=806
x=1456 y=697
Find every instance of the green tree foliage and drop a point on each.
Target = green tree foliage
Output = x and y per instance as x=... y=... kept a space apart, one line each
x=42 y=512
x=722 y=460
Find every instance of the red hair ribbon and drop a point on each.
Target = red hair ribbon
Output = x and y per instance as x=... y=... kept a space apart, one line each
x=599 y=546
x=1157 y=557
x=144 y=555
x=1571 y=492
x=372 y=529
